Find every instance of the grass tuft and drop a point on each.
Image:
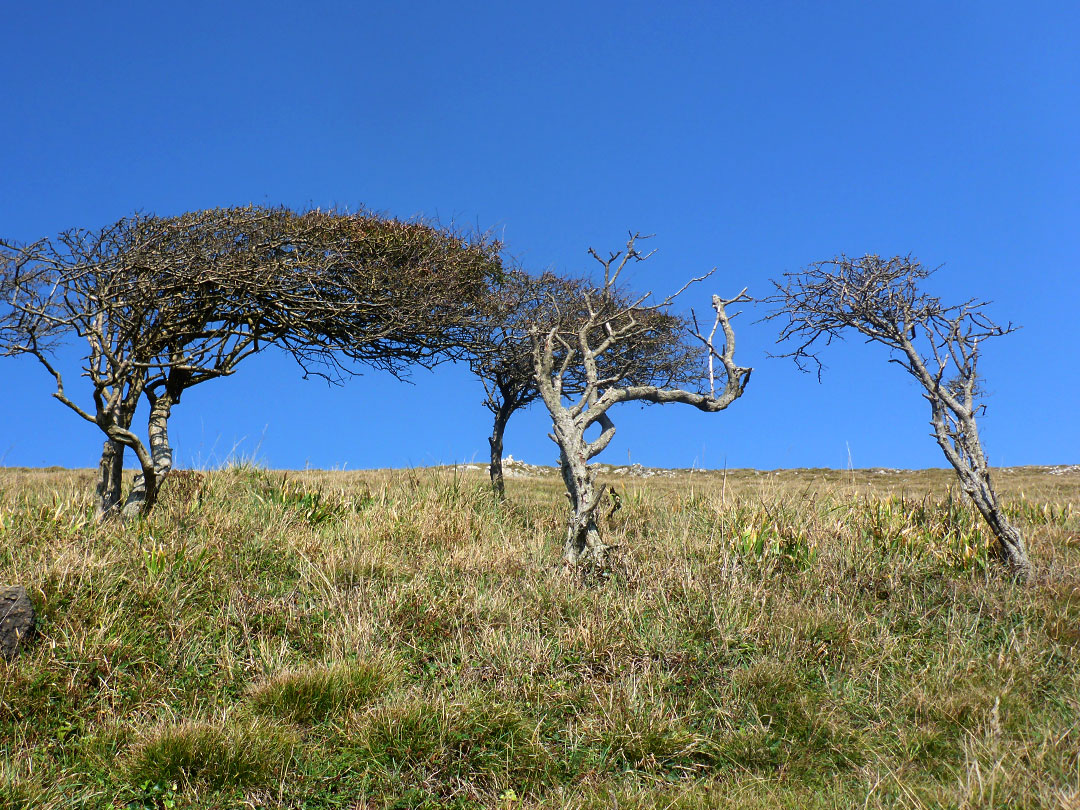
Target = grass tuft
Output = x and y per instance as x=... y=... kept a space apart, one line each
x=319 y=693
x=480 y=742
x=214 y=755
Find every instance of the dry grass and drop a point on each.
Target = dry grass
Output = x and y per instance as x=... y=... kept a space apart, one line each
x=398 y=639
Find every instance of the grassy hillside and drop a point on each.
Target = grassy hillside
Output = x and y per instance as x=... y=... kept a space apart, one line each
x=370 y=640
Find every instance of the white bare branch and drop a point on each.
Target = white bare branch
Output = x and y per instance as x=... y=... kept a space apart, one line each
x=620 y=348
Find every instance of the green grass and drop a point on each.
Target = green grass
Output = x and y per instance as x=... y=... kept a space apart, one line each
x=219 y=756
x=374 y=640
x=320 y=694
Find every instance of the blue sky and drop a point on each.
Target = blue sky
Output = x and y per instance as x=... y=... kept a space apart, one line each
x=751 y=137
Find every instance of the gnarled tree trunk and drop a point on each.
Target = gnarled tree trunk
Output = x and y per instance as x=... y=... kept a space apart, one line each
x=110 y=480
x=1011 y=548
x=583 y=541
x=144 y=493
x=110 y=485
x=961 y=445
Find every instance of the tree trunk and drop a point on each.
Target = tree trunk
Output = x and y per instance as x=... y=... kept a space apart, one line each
x=583 y=541
x=1010 y=549
x=144 y=493
x=495 y=469
x=967 y=459
x=110 y=480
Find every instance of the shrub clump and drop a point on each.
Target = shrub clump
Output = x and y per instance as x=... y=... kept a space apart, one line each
x=311 y=695
x=216 y=755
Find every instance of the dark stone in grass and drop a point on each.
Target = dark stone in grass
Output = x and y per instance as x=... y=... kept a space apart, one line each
x=16 y=619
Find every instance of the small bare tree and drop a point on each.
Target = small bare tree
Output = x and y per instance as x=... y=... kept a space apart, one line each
x=501 y=355
x=622 y=356
x=937 y=344
x=502 y=351
x=154 y=320
x=80 y=284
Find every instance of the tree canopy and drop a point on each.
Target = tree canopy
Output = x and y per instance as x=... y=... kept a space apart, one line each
x=165 y=303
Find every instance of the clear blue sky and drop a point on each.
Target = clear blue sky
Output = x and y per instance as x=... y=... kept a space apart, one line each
x=753 y=137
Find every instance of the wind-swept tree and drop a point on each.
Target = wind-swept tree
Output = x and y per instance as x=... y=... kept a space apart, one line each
x=502 y=355
x=936 y=343
x=618 y=348
x=222 y=284
x=94 y=285
x=167 y=303
x=502 y=350
x=334 y=289
x=382 y=292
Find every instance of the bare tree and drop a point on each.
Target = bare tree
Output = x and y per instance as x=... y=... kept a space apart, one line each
x=83 y=284
x=937 y=344
x=623 y=356
x=167 y=303
x=502 y=350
